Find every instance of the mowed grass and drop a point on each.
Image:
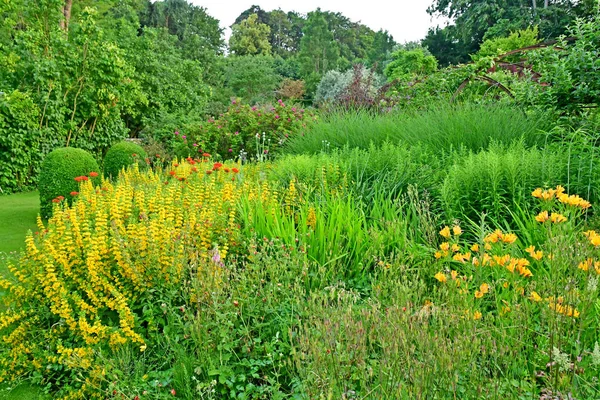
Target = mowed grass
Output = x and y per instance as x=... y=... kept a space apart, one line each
x=18 y=213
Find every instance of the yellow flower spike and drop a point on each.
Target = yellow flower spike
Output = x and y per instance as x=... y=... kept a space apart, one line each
x=534 y=296
x=445 y=232
x=456 y=230
x=440 y=276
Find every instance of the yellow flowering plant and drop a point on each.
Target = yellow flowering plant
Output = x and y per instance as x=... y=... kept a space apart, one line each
x=85 y=281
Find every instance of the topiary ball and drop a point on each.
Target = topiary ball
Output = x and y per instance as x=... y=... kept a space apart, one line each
x=122 y=155
x=57 y=176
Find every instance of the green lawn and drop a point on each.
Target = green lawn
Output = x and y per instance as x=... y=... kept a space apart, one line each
x=18 y=213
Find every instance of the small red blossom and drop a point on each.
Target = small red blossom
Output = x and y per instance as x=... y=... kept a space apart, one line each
x=209 y=172
x=217 y=165
x=173 y=392
x=205 y=155
x=134 y=155
x=226 y=169
x=172 y=173
x=74 y=193
x=235 y=170
x=176 y=165
x=93 y=174
x=55 y=200
x=61 y=198
x=194 y=169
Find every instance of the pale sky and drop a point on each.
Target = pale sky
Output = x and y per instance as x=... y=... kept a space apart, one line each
x=406 y=20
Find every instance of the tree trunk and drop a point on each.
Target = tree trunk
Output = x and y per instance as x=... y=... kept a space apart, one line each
x=545 y=4
x=64 y=23
x=534 y=5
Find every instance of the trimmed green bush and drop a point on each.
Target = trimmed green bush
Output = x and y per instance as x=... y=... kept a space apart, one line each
x=122 y=155
x=58 y=172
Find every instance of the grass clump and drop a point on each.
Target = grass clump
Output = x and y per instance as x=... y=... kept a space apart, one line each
x=440 y=128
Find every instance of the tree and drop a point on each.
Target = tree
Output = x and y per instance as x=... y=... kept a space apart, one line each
x=253 y=78
x=250 y=37
x=319 y=51
x=447 y=46
x=410 y=64
x=383 y=44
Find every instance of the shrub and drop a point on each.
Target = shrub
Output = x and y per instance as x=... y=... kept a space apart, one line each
x=58 y=173
x=240 y=130
x=122 y=155
x=20 y=150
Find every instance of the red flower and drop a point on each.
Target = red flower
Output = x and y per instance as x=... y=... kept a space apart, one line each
x=194 y=169
x=176 y=165
x=157 y=156
x=55 y=200
x=134 y=155
x=74 y=193
x=209 y=172
x=205 y=155
x=217 y=165
x=235 y=170
x=61 y=198
x=226 y=169
x=93 y=174
x=173 y=392
x=172 y=173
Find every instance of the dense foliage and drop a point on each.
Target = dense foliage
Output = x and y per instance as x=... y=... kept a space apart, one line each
x=60 y=174
x=123 y=155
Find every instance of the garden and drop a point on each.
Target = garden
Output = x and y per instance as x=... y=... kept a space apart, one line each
x=387 y=228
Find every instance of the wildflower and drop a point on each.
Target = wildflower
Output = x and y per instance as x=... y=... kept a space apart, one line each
x=172 y=173
x=176 y=132
x=74 y=193
x=445 y=232
x=453 y=274
x=478 y=294
x=235 y=170
x=440 y=276
x=477 y=315
x=484 y=288
x=207 y=155
x=209 y=172
x=173 y=392
x=557 y=218
x=475 y=247
x=456 y=230
x=225 y=169
x=217 y=165
x=93 y=174
x=585 y=265
x=509 y=238
x=455 y=247
x=183 y=137
x=438 y=254
x=542 y=217
x=535 y=297
x=537 y=193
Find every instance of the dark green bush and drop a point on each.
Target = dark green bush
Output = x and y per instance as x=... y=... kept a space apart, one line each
x=58 y=172
x=122 y=155
x=20 y=137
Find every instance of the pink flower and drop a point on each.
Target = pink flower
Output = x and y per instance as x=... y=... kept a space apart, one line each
x=277 y=117
x=183 y=137
x=177 y=132
x=230 y=150
x=236 y=133
x=195 y=144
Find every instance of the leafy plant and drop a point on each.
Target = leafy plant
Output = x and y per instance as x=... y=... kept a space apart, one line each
x=123 y=155
x=60 y=174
